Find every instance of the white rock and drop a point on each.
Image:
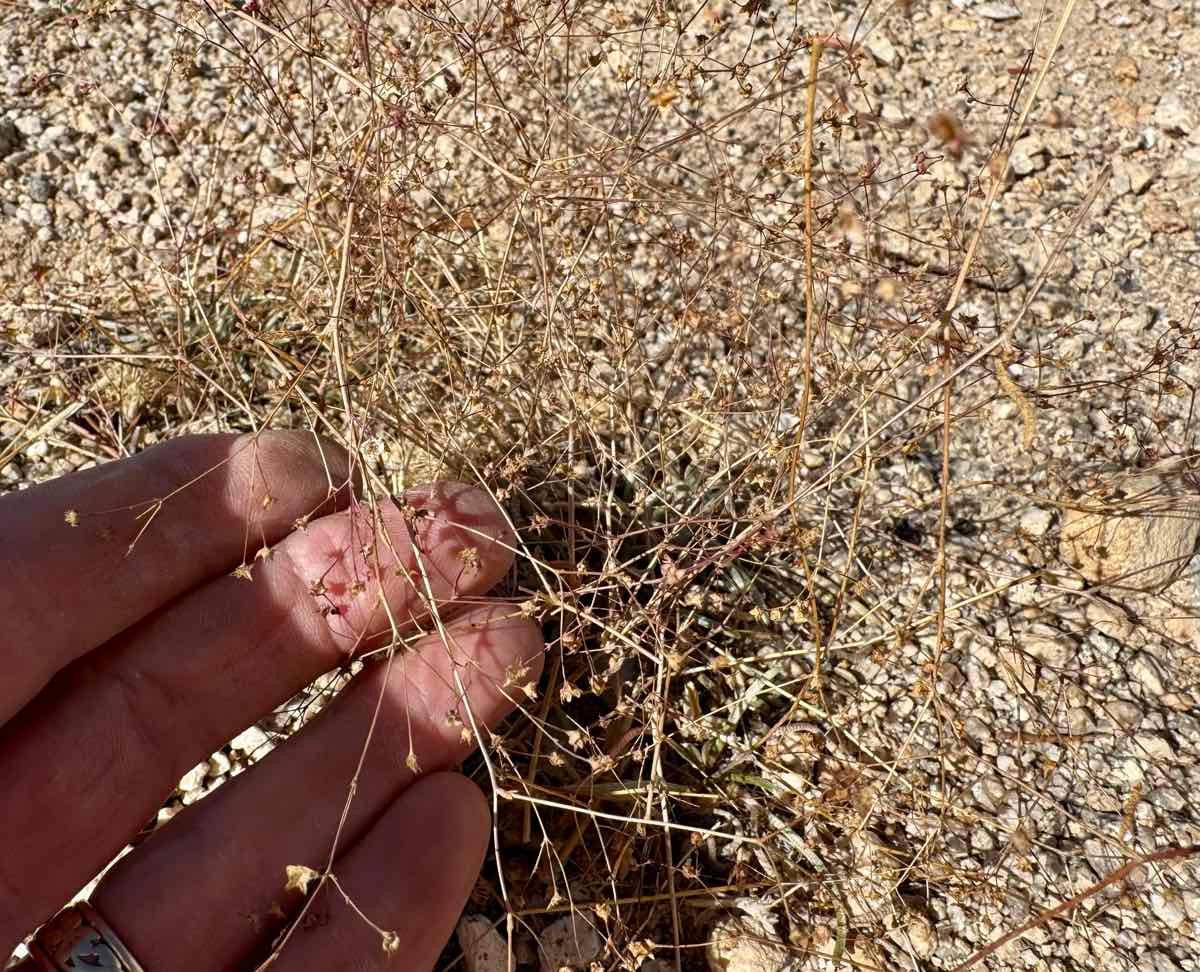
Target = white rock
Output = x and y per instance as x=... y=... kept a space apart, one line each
x=1153 y=747
x=1172 y=114
x=1079 y=720
x=1049 y=646
x=1159 y=962
x=880 y=47
x=981 y=840
x=997 y=11
x=570 y=943
x=1175 y=611
x=1147 y=675
x=38 y=450
x=1130 y=772
x=1028 y=156
x=737 y=945
x=219 y=764
x=29 y=125
x=1132 y=177
x=1036 y=523
x=193 y=779
x=51 y=137
x=39 y=214
x=252 y=741
x=482 y=946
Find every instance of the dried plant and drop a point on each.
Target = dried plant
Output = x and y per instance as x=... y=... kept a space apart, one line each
x=655 y=277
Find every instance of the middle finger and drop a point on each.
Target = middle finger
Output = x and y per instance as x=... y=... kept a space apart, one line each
x=110 y=736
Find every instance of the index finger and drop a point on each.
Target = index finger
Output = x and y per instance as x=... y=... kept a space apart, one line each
x=86 y=556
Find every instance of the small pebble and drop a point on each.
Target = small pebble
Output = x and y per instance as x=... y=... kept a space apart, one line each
x=194 y=778
x=251 y=742
x=39 y=188
x=997 y=11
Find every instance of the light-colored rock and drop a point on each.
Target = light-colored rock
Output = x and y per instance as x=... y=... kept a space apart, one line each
x=997 y=11
x=1154 y=747
x=1028 y=156
x=251 y=742
x=881 y=48
x=869 y=890
x=1173 y=115
x=1018 y=670
x=917 y=934
x=1108 y=619
x=1050 y=646
x=218 y=764
x=1146 y=673
x=1132 y=177
x=1140 y=537
x=1103 y=800
x=738 y=945
x=1036 y=523
x=30 y=125
x=1125 y=714
x=40 y=215
x=893 y=113
x=1175 y=611
x=572 y=942
x=482 y=945
x=193 y=779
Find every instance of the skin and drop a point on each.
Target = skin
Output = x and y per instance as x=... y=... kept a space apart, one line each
x=126 y=667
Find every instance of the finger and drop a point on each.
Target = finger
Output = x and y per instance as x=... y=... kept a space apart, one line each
x=110 y=737
x=231 y=849
x=191 y=508
x=410 y=876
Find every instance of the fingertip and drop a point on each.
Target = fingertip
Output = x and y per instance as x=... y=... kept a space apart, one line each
x=466 y=506
x=507 y=634
x=272 y=457
x=412 y=873
x=458 y=803
x=464 y=543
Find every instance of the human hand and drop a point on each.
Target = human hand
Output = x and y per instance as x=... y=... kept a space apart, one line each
x=121 y=672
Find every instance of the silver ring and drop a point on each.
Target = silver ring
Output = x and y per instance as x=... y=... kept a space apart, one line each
x=78 y=938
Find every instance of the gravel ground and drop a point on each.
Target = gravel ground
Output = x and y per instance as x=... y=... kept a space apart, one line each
x=1058 y=734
